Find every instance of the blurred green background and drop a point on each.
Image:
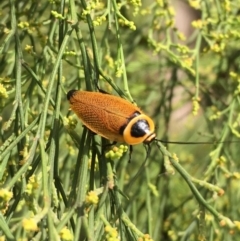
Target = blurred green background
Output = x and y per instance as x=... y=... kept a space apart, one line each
x=178 y=61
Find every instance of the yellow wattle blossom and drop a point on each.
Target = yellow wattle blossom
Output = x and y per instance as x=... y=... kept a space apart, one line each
x=195 y=4
x=196 y=106
x=146 y=237
x=5 y=196
x=29 y=224
x=197 y=24
x=92 y=198
x=111 y=233
x=237 y=223
x=28 y=48
x=66 y=234
x=3 y=92
x=23 y=25
x=70 y=122
x=116 y=152
x=57 y=15
x=32 y=185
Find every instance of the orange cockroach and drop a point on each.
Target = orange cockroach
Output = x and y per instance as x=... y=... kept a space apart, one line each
x=112 y=117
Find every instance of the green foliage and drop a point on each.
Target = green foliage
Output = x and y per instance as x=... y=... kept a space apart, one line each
x=60 y=182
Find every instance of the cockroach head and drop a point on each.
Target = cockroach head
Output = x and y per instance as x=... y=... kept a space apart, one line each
x=70 y=94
